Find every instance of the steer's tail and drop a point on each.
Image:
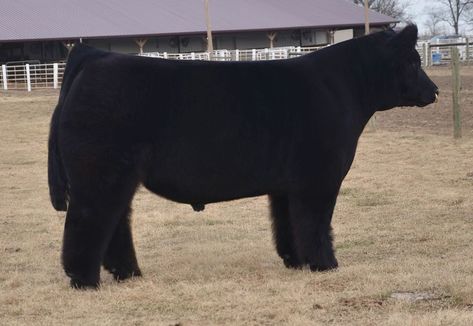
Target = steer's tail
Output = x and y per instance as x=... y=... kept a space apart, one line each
x=58 y=185
x=57 y=177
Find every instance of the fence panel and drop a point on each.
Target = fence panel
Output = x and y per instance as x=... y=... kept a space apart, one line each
x=16 y=77
x=32 y=76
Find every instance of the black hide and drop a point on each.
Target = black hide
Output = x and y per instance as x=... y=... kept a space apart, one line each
x=200 y=132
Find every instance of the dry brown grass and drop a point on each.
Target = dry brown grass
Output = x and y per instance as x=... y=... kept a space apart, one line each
x=403 y=223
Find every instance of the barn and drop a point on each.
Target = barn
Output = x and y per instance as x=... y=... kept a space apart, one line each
x=43 y=30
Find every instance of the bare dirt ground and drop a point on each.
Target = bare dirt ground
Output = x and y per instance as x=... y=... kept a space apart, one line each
x=403 y=233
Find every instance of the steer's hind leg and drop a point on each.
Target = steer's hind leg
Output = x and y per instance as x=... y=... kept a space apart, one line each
x=100 y=197
x=120 y=257
x=282 y=231
x=87 y=231
x=310 y=218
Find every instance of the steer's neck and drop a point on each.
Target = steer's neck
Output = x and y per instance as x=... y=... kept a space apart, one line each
x=379 y=91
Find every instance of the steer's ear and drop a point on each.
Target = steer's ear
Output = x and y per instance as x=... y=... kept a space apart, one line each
x=405 y=39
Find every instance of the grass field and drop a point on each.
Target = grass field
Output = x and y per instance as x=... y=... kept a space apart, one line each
x=403 y=233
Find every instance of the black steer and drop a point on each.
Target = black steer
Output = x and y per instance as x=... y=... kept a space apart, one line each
x=204 y=132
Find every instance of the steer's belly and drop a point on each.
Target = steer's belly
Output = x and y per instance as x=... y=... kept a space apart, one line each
x=193 y=189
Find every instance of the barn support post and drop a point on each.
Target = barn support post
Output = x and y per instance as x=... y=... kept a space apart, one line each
x=210 y=44
x=141 y=44
x=367 y=18
x=457 y=127
x=271 y=37
x=4 y=77
x=253 y=55
x=68 y=46
x=28 y=77
x=55 y=75
x=237 y=55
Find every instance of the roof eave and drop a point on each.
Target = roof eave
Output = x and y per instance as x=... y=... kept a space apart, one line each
x=203 y=32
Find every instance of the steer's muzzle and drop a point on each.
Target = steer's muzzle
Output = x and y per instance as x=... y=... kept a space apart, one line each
x=437 y=93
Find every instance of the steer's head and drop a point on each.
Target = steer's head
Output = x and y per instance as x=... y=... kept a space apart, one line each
x=409 y=83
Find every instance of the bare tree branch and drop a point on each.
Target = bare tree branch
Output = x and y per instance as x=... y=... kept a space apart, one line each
x=455 y=12
x=433 y=21
x=393 y=8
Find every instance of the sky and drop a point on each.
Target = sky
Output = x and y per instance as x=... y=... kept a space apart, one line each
x=417 y=10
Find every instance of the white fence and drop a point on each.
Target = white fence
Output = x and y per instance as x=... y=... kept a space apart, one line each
x=237 y=55
x=440 y=53
x=37 y=76
x=31 y=76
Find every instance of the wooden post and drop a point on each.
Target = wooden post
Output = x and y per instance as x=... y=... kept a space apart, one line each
x=457 y=127
x=467 y=52
x=372 y=122
x=210 y=44
x=4 y=76
x=425 y=53
x=429 y=51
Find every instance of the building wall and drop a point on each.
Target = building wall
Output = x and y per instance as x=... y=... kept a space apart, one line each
x=312 y=37
x=288 y=38
x=198 y=43
x=55 y=50
x=32 y=51
x=342 y=35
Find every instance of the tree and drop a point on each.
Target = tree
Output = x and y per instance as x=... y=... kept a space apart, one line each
x=433 y=22
x=454 y=12
x=393 y=8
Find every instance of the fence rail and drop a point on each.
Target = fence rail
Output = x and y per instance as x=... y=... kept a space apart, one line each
x=28 y=76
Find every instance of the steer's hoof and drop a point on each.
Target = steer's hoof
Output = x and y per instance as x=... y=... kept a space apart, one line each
x=291 y=262
x=326 y=266
x=198 y=207
x=123 y=275
x=84 y=285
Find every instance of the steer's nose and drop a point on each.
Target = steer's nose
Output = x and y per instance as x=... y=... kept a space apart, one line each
x=437 y=93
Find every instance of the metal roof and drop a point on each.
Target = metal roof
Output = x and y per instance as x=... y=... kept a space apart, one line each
x=69 y=19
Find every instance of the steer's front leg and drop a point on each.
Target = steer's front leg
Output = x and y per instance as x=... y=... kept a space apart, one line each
x=282 y=231
x=311 y=215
